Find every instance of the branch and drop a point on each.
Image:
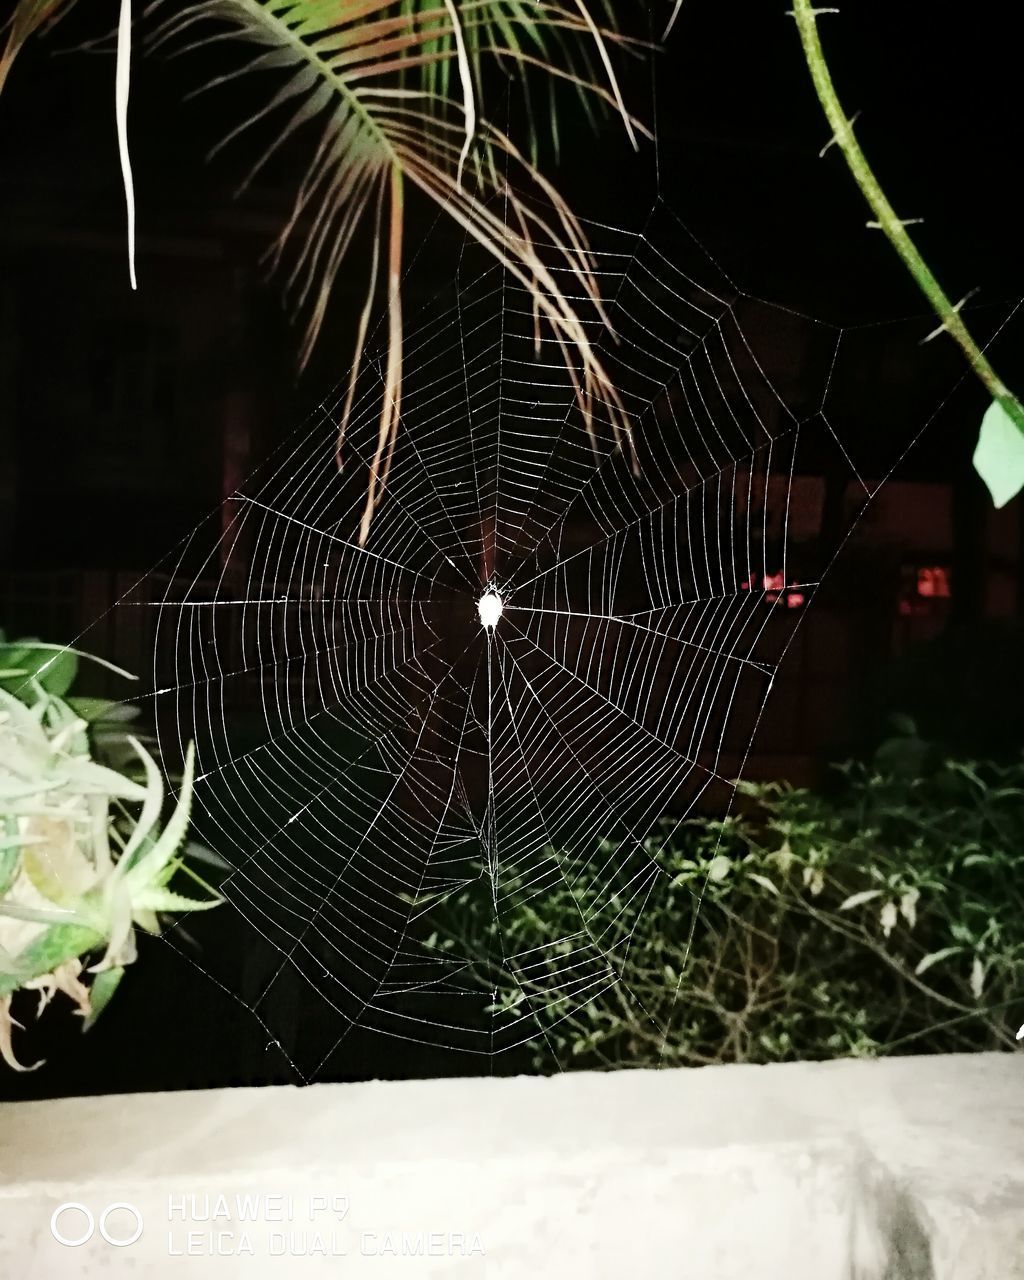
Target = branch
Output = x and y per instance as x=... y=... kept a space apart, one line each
x=886 y=220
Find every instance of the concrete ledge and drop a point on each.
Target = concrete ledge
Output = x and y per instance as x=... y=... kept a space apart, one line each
x=909 y=1169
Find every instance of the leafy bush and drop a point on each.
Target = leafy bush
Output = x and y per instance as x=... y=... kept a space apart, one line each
x=885 y=917
x=83 y=858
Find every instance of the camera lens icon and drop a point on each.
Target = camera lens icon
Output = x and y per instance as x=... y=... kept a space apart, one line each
x=75 y=1206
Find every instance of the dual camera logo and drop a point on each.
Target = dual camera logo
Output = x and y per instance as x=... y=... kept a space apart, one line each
x=68 y=1217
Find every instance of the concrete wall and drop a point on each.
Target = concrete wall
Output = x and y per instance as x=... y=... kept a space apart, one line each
x=911 y=1169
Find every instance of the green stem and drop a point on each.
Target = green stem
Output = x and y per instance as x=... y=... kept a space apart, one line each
x=895 y=230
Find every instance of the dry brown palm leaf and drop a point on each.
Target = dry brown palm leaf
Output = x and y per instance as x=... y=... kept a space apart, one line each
x=29 y=16
x=375 y=77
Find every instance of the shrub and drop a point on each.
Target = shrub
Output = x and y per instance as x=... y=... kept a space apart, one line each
x=884 y=917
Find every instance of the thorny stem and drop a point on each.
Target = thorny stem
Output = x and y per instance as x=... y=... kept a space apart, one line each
x=895 y=229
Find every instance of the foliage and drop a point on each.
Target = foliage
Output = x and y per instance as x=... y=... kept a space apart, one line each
x=395 y=92
x=999 y=455
x=375 y=79
x=83 y=856
x=887 y=917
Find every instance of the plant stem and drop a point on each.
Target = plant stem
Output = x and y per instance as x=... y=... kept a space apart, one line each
x=895 y=229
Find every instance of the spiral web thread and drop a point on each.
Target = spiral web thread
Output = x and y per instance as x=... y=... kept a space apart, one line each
x=368 y=750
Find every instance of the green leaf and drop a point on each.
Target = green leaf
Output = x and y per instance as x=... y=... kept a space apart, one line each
x=90 y=709
x=935 y=957
x=858 y=899
x=37 y=915
x=103 y=987
x=193 y=851
x=55 y=670
x=164 y=900
x=999 y=455
x=148 y=867
x=91 y=779
x=151 y=806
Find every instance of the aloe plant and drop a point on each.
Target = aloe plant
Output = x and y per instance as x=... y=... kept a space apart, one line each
x=84 y=859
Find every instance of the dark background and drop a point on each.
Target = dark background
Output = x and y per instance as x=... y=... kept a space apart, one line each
x=125 y=417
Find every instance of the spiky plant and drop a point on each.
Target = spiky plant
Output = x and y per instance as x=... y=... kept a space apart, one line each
x=83 y=857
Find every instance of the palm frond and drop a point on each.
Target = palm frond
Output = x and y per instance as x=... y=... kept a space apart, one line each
x=374 y=76
x=28 y=17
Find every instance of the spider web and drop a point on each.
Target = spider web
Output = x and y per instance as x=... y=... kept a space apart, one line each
x=368 y=750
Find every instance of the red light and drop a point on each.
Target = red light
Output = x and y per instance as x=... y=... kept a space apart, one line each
x=933 y=582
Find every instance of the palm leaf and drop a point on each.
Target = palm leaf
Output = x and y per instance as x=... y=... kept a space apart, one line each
x=374 y=76
x=27 y=18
